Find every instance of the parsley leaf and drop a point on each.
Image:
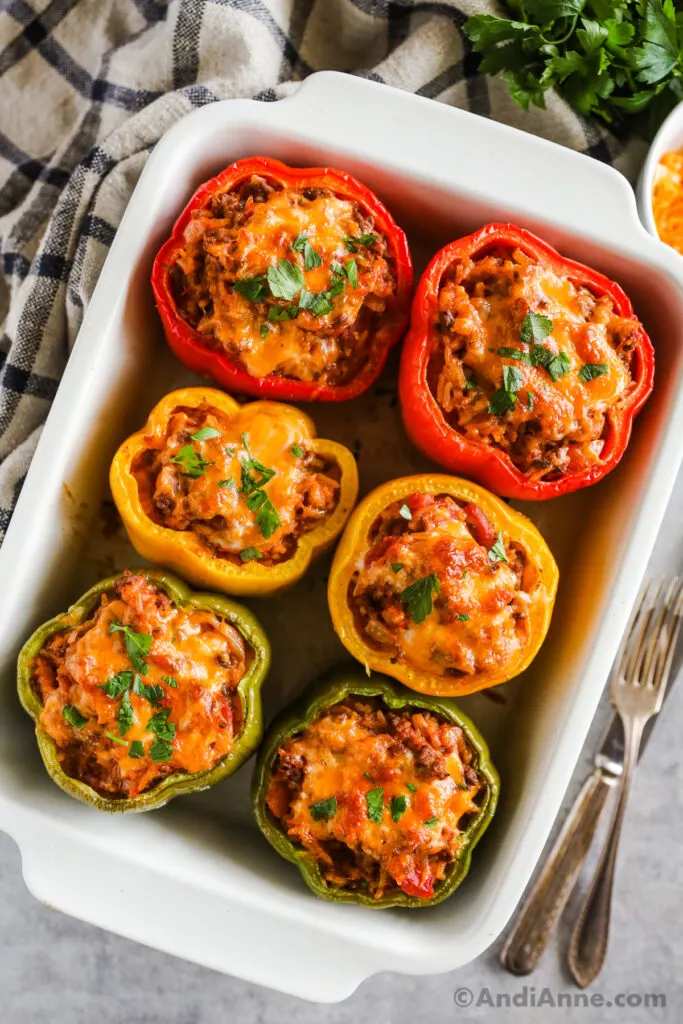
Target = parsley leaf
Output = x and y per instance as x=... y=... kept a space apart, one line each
x=352 y=244
x=285 y=279
x=73 y=716
x=161 y=750
x=253 y=288
x=589 y=371
x=311 y=258
x=324 y=809
x=251 y=555
x=530 y=400
x=515 y=353
x=396 y=566
x=191 y=462
x=418 y=597
x=126 y=716
x=398 y=807
x=512 y=378
x=411 y=787
x=430 y=822
x=160 y=726
x=556 y=363
x=374 y=800
x=351 y=271
x=137 y=645
x=228 y=482
x=115 y=685
x=170 y=681
x=280 y=313
x=297 y=451
x=498 y=553
x=116 y=739
x=535 y=328
x=136 y=749
x=405 y=512
x=462 y=617
x=151 y=692
x=205 y=434
x=265 y=330
x=267 y=518
x=501 y=401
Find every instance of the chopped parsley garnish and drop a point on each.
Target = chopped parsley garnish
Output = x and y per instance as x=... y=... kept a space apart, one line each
x=191 y=462
x=228 y=482
x=160 y=726
x=265 y=330
x=137 y=645
x=115 y=685
x=253 y=288
x=411 y=787
x=324 y=809
x=73 y=716
x=311 y=258
x=497 y=553
x=136 y=749
x=251 y=555
x=267 y=518
x=152 y=692
x=126 y=715
x=205 y=434
x=351 y=271
x=462 y=617
x=398 y=807
x=405 y=512
x=530 y=400
x=505 y=398
x=589 y=371
x=430 y=822
x=280 y=313
x=418 y=597
x=161 y=750
x=396 y=566
x=297 y=451
x=556 y=363
x=515 y=353
x=249 y=466
x=366 y=775
x=471 y=383
x=352 y=244
x=535 y=328
x=285 y=279
x=170 y=681
x=230 y=450
x=374 y=799
x=116 y=739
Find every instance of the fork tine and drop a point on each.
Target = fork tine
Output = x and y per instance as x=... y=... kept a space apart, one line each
x=660 y=671
x=656 y=641
x=637 y=641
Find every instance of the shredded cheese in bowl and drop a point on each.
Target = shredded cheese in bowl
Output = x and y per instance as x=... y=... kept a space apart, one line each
x=667 y=200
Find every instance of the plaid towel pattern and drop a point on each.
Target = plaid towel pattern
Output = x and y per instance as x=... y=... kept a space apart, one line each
x=89 y=86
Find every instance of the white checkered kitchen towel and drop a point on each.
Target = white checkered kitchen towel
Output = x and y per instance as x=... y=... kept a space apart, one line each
x=87 y=87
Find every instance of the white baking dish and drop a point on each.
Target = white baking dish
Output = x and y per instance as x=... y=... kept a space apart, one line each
x=197 y=879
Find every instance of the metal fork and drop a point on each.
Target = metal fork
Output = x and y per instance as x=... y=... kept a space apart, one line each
x=637 y=693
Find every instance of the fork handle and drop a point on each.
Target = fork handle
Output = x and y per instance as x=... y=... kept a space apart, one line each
x=544 y=904
x=588 y=944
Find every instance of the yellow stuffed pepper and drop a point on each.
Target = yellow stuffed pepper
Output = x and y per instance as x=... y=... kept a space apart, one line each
x=237 y=498
x=443 y=586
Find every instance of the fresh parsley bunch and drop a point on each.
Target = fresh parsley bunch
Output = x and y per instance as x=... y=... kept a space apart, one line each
x=619 y=60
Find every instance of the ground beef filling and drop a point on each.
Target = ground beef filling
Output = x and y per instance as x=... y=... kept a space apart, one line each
x=141 y=690
x=209 y=486
x=556 y=421
x=439 y=590
x=381 y=798
x=320 y=325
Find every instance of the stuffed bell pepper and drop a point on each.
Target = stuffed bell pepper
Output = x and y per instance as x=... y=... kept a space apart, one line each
x=377 y=795
x=522 y=369
x=441 y=585
x=282 y=282
x=144 y=690
x=236 y=498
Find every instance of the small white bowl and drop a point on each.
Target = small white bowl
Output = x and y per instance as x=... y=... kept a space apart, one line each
x=668 y=138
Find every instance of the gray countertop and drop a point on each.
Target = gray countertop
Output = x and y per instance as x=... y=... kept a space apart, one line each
x=59 y=970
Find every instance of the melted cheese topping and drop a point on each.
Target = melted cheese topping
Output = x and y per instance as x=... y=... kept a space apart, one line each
x=554 y=425
x=219 y=503
x=667 y=200
x=241 y=242
x=196 y=649
x=411 y=767
x=478 y=619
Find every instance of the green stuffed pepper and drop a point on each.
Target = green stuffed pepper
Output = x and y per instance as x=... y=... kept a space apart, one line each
x=377 y=794
x=144 y=690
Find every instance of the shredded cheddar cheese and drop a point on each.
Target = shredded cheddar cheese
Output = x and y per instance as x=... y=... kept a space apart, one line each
x=380 y=797
x=667 y=200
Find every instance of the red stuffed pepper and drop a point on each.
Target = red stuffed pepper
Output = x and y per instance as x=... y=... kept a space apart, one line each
x=281 y=282
x=522 y=369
